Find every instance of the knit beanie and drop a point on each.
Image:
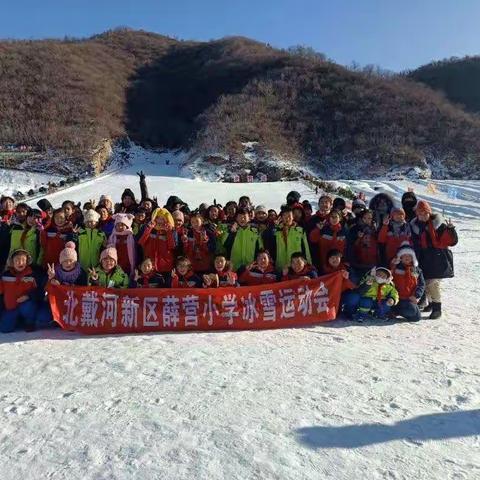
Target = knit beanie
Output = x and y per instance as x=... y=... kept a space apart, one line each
x=406 y=249
x=128 y=193
x=109 y=252
x=261 y=208
x=91 y=216
x=68 y=253
x=125 y=218
x=104 y=198
x=398 y=210
x=423 y=206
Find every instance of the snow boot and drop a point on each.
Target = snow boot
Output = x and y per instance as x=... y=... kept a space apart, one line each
x=427 y=308
x=436 y=311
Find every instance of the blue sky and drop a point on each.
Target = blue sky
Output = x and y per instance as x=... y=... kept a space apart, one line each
x=395 y=34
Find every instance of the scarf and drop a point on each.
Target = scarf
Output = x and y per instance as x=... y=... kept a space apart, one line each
x=67 y=278
x=112 y=242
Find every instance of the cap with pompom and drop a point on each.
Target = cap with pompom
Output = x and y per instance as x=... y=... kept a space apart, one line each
x=68 y=253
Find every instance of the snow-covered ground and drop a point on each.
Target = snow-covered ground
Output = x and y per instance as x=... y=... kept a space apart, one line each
x=339 y=400
x=12 y=181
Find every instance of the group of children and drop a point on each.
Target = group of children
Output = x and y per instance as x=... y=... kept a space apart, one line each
x=140 y=244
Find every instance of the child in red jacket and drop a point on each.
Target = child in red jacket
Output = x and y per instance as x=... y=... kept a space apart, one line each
x=395 y=232
x=159 y=240
x=299 y=268
x=183 y=276
x=199 y=245
x=21 y=289
x=329 y=235
x=222 y=276
x=54 y=237
x=123 y=241
x=259 y=272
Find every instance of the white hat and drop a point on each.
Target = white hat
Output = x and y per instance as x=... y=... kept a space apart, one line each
x=406 y=249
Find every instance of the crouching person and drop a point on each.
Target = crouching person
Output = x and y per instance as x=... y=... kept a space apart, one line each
x=183 y=276
x=374 y=297
x=410 y=284
x=299 y=268
x=108 y=274
x=147 y=277
x=21 y=289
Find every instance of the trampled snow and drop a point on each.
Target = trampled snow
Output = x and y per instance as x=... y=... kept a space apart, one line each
x=339 y=400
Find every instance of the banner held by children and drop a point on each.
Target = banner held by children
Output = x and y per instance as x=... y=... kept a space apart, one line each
x=94 y=310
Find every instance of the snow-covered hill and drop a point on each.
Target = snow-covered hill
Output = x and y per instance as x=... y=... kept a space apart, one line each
x=340 y=400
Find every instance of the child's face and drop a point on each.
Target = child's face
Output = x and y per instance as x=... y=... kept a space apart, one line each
x=91 y=224
x=31 y=220
x=160 y=221
x=298 y=264
x=68 y=265
x=334 y=219
x=178 y=222
x=103 y=212
x=213 y=213
x=147 y=205
x=140 y=217
x=261 y=216
x=334 y=261
x=243 y=219
x=406 y=259
x=183 y=268
x=220 y=263
x=367 y=219
x=196 y=223
x=272 y=216
x=423 y=216
x=127 y=201
x=146 y=267
x=398 y=217
x=325 y=205
x=230 y=210
x=108 y=204
x=120 y=227
x=381 y=275
x=21 y=214
x=8 y=204
x=263 y=261
x=59 y=219
x=108 y=264
x=20 y=262
x=287 y=218
x=68 y=210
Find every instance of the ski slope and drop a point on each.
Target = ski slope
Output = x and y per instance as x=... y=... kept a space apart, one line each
x=339 y=401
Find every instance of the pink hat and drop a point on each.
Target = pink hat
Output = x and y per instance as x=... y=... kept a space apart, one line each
x=125 y=218
x=423 y=206
x=68 y=253
x=109 y=252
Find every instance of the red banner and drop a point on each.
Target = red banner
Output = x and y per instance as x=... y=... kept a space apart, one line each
x=93 y=310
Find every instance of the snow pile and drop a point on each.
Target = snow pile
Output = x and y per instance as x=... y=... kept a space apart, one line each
x=340 y=400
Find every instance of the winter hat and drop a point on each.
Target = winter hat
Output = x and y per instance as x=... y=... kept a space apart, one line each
x=109 y=252
x=293 y=197
x=68 y=253
x=423 y=206
x=163 y=212
x=261 y=208
x=128 y=193
x=358 y=202
x=339 y=204
x=90 y=216
x=104 y=198
x=398 y=210
x=125 y=218
x=19 y=251
x=44 y=205
x=376 y=270
x=177 y=214
x=406 y=249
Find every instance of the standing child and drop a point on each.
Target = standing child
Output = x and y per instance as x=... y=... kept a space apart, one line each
x=159 y=240
x=54 y=237
x=25 y=232
x=409 y=281
x=108 y=274
x=90 y=241
x=395 y=231
x=199 y=245
x=124 y=242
